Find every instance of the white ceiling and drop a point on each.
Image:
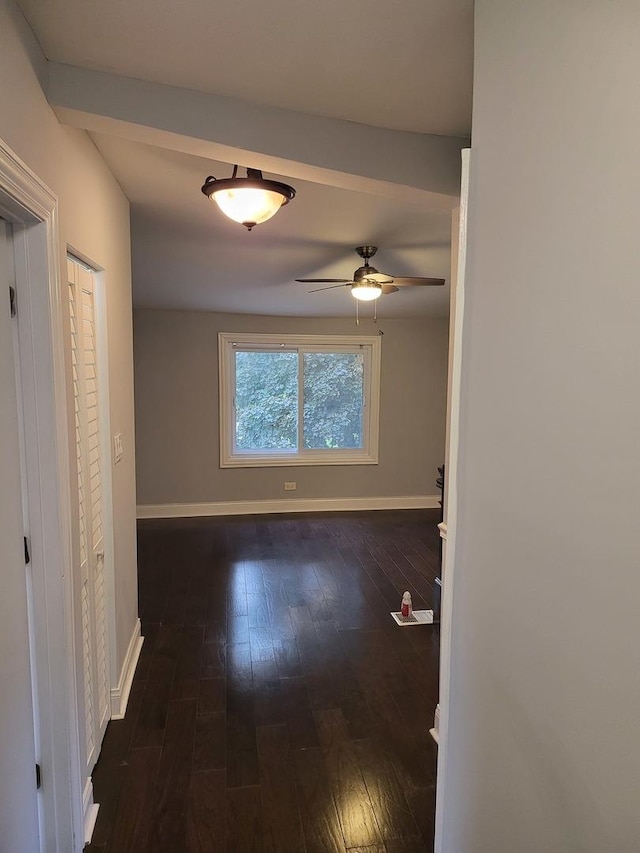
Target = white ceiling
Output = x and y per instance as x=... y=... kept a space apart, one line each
x=188 y=255
x=402 y=65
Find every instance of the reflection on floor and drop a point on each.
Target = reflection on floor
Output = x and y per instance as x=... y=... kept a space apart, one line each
x=276 y=705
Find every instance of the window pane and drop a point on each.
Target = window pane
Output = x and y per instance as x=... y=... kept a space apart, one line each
x=333 y=400
x=266 y=401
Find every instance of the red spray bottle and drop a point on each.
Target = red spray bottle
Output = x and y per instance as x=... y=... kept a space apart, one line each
x=406 y=608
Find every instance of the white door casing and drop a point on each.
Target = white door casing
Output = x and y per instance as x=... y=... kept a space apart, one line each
x=448 y=527
x=32 y=210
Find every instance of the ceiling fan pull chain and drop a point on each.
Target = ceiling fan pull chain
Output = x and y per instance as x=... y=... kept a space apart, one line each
x=357 y=313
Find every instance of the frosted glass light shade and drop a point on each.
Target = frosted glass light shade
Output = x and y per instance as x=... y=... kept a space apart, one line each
x=248 y=205
x=249 y=200
x=366 y=291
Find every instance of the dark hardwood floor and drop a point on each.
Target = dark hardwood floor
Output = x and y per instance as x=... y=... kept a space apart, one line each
x=276 y=706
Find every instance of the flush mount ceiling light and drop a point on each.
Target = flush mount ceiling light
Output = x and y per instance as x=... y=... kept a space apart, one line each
x=249 y=200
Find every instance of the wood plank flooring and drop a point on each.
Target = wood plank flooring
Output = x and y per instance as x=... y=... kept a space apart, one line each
x=276 y=707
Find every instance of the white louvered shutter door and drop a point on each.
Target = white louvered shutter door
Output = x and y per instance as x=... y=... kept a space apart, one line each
x=94 y=481
x=90 y=596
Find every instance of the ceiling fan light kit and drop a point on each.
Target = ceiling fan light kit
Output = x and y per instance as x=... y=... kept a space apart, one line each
x=249 y=200
x=366 y=290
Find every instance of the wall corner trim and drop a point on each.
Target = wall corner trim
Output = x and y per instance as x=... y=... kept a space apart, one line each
x=120 y=694
x=282 y=505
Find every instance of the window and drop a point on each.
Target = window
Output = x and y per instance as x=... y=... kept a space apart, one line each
x=298 y=400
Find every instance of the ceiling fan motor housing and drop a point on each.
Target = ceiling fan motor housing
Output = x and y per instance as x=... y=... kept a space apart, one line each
x=363 y=272
x=367 y=271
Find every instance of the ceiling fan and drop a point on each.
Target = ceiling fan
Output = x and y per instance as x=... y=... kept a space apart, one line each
x=368 y=283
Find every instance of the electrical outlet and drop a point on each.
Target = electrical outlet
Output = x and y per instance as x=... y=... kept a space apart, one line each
x=290 y=487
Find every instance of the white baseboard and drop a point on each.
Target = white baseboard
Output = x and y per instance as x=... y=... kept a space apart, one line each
x=120 y=694
x=89 y=810
x=286 y=505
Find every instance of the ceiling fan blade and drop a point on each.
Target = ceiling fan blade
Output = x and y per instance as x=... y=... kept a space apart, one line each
x=331 y=287
x=411 y=280
x=323 y=280
x=380 y=277
x=389 y=288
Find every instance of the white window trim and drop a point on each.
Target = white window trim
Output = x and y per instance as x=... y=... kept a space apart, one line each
x=227 y=341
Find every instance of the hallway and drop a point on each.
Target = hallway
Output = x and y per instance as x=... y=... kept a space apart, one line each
x=276 y=705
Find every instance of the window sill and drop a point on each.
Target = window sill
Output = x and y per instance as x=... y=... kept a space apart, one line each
x=250 y=461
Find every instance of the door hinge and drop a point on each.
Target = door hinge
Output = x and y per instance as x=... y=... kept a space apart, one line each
x=27 y=555
x=38 y=777
x=12 y=301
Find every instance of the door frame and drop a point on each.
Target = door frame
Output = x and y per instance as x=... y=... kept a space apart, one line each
x=32 y=209
x=448 y=526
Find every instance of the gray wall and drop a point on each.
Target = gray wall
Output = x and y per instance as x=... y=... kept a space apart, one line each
x=176 y=382
x=543 y=748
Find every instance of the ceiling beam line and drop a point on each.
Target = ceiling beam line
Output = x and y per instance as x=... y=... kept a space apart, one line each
x=397 y=164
